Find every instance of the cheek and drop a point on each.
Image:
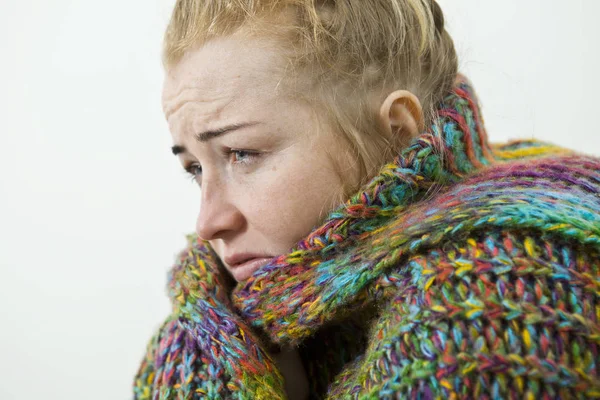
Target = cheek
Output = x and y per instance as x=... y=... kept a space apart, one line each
x=291 y=201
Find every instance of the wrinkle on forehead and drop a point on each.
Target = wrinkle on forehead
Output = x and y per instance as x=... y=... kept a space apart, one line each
x=240 y=67
x=191 y=94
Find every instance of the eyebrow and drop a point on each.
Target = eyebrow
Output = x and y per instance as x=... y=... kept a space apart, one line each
x=203 y=137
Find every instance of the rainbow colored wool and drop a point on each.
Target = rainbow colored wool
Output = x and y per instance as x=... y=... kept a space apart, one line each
x=464 y=269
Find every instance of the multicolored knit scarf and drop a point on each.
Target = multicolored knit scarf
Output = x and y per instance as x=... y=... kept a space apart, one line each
x=464 y=269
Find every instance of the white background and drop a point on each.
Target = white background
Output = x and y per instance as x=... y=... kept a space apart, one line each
x=93 y=207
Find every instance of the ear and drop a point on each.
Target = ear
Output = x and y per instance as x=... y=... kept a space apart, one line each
x=402 y=115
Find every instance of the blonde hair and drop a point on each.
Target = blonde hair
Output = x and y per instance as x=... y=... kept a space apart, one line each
x=351 y=53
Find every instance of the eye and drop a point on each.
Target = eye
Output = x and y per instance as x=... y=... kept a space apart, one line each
x=242 y=156
x=236 y=157
x=193 y=170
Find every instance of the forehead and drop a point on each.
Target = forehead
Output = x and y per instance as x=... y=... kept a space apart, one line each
x=223 y=67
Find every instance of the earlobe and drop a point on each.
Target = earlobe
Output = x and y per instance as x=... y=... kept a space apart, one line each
x=401 y=114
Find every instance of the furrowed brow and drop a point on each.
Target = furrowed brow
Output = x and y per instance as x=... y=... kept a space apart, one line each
x=208 y=135
x=204 y=137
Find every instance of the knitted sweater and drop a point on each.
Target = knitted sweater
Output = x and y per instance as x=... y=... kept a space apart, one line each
x=464 y=269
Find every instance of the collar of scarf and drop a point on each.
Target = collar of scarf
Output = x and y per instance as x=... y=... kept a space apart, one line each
x=342 y=264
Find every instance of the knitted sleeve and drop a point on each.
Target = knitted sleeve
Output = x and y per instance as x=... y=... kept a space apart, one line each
x=203 y=349
x=507 y=315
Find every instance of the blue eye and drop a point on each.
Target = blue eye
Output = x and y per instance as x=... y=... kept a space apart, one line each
x=246 y=155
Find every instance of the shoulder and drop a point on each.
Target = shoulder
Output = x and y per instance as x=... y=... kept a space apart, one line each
x=494 y=287
x=489 y=307
x=557 y=196
x=537 y=221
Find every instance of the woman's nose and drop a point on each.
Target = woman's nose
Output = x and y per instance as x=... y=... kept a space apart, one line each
x=218 y=216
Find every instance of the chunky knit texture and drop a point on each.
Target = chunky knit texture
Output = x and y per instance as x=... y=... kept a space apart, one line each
x=464 y=269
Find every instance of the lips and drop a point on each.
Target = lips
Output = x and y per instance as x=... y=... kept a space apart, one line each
x=244 y=270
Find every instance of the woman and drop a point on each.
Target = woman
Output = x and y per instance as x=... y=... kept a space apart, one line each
x=358 y=235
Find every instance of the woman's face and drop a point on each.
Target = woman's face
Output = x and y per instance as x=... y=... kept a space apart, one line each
x=265 y=177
